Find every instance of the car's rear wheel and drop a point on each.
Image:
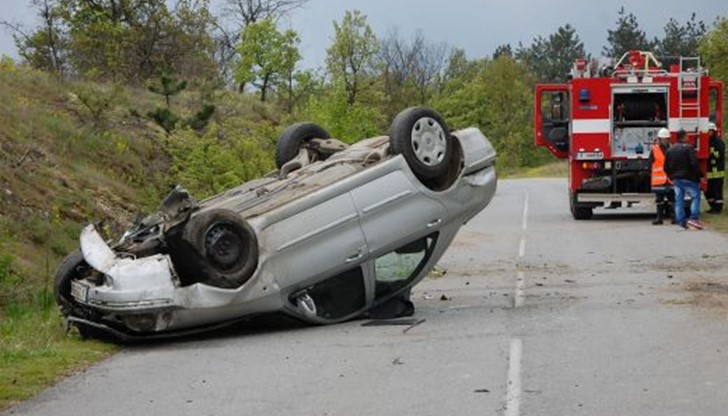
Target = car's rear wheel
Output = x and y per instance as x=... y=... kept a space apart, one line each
x=422 y=137
x=226 y=249
x=294 y=137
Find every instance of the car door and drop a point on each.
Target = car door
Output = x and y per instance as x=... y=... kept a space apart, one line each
x=315 y=242
x=397 y=269
x=392 y=209
x=552 y=116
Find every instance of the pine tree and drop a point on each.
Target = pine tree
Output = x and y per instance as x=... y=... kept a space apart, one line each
x=626 y=36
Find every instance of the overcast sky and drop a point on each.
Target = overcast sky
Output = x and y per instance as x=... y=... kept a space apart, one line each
x=478 y=26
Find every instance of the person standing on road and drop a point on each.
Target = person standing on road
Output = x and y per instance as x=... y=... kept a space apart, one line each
x=681 y=166
x=716 y=170
x=661 y=184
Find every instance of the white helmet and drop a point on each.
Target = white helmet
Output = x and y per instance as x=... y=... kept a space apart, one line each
x=711 y=126
x=663 y=133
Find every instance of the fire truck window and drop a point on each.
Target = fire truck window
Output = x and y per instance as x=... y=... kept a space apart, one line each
x=713 y=104
x=558 y=107
x=555 y=118
x=554 y=106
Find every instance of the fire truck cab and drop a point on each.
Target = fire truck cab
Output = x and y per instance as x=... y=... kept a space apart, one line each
x=605 y=122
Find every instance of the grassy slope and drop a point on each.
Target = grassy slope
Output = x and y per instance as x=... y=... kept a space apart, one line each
x=56 y=173
x=64 y=164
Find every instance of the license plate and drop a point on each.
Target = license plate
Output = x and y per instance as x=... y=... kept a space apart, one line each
x=590 y=156
x=79 y=291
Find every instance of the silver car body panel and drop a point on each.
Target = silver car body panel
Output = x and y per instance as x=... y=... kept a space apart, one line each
x=312 y=224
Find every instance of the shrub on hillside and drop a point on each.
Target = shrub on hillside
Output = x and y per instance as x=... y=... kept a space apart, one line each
x=222 y=157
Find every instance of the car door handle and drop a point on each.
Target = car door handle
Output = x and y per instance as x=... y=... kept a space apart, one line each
x=354 y=257
x=434 y=223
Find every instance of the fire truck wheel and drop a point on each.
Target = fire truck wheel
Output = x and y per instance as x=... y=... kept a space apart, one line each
x=580 y=212
x=422 y=137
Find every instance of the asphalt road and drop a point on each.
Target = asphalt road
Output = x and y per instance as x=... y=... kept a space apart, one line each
x=537 y=314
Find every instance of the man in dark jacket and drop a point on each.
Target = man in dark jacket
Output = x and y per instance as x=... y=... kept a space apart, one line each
x=716 y=170
x=681 y=166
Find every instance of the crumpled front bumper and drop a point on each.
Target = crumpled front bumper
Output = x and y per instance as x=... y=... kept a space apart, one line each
x=129 y=284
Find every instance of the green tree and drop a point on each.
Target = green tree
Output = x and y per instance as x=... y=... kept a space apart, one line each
x=626 y=36
x=116 y=40
x=236 y=16
x=120 y=40
x=497 y=97
x=508 y=113
x=298 y=87
x=504 y=49
x=550 y=59
x=47 y=47
x=681 y=39
x=411 y=70
x=189 y=50
x=167 y=87
x=714 y=49
x=347 y=122
x=267 y=56
x=351 y=59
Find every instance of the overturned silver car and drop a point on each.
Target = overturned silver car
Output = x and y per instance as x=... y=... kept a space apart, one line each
x=336 y=231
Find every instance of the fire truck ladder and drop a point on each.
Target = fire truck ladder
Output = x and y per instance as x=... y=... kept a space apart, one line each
x=689 y=95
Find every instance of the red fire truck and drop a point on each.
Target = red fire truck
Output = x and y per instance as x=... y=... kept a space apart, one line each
x=605 y=121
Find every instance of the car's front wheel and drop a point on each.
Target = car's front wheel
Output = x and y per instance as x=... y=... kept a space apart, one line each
x=71 y=267
x=422 y=137
x=226 y=249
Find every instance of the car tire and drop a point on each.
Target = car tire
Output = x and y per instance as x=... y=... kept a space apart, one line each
x=71 y=266
x=422 y=137
x=293 y=137
x=225 y=248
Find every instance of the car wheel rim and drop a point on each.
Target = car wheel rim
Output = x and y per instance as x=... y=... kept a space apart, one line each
x=428 y=141
x=223 y=246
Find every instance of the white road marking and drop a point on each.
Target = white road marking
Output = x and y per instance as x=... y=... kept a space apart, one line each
x=520 y=296
x=524 y=222
x=522 y=248
x=513 y=389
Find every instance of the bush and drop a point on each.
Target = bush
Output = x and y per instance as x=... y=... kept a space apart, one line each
x=96 y=104
x=223 y=157
x=6 y=267
x=7 y=64
x=344 y=122
x=201 y=118
x=165 y=118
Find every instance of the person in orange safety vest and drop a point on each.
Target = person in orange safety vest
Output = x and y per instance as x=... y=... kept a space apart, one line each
x=661 y=184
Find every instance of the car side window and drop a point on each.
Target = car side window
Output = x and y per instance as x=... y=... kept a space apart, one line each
x=338 y=296
x=398 y=268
